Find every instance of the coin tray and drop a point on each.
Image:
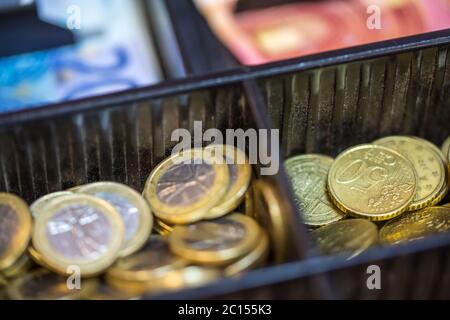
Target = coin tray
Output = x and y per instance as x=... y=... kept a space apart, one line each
x=322 y=103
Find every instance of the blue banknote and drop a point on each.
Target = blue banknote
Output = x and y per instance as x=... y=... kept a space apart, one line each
x=109 y=57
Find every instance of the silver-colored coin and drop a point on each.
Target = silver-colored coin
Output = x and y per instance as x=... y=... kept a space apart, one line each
x=214 y=235
x=79 y=232
x=184 y=184
x=128 y=211
x=9 y=222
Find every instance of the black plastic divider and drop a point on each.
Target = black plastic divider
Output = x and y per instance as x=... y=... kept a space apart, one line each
x=121 y=137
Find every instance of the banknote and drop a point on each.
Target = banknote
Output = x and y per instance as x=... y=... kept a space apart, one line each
x=279 y=32
x=112 y=53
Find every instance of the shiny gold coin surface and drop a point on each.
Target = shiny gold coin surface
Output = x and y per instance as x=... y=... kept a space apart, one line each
x=240 y=175
x=269 y=212
x=184 y=187
x=42 y=284
x=188 y=277
x=22 y=265
x=308 y=175
x=162 y=228
x=215 y=242
x=372 y=181
x=40 y=204
x=15 y=229
x=78 y=230
x=445 y=149
x=351 y=236
x=3 y=283
x=133 y=209
x=429 y=165
x=256 y=258
x=152 y=262
x=416 y=225
x=36 y=257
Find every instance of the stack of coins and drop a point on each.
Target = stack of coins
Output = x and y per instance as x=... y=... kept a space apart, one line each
x=381 y=193
x=101 y=233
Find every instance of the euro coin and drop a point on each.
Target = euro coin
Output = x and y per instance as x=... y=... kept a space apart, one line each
x=78 y=230
x=36 y=257
x=372 y=181
x=40 y=204
x=22 y=265
x=162 y=228
x=215 y=242
x=308 y=175
x=445 y=149
x=270 y=215
x=240 y=175
x=188 y=277
x=133 y=209
x=351 y=237
x=429 y=165
x=152 y=262
x=42 y=284
x=184 y=187
x=15 y=229
x=416 y=225
x=256 y=258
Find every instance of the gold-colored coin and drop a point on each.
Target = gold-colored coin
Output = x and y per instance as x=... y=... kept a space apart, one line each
x=184 y=187
x=162 y=228
x=249 y=203
x=351 y=236
x=40 y=204
x=79 y=230
x=188 y=277
x=22 y=265
x=416 y=225
x=216 y=242
x=240 y=175
x=269 y=213
x=256 y=258
x=42 y=284
x=36 y=257
x=445 y=149
x=447 y=205
x=15 y=229
x=308 y=175
x=429 y=164
x=152 y=262
x=372 y=181
x=133 y=209
x=3 y=283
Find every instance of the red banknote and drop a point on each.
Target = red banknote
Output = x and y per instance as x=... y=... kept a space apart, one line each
x=307 y=27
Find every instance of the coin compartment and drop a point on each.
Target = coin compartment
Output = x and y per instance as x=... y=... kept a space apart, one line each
x=329 y=108
x=121 y=137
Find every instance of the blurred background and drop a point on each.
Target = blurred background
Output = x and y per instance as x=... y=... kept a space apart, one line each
x=53 y=51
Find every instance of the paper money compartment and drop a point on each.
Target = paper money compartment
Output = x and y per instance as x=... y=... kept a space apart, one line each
x=112 y=139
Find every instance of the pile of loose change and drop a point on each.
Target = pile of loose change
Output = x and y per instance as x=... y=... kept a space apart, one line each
x=105 y=240
x=387 y=192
